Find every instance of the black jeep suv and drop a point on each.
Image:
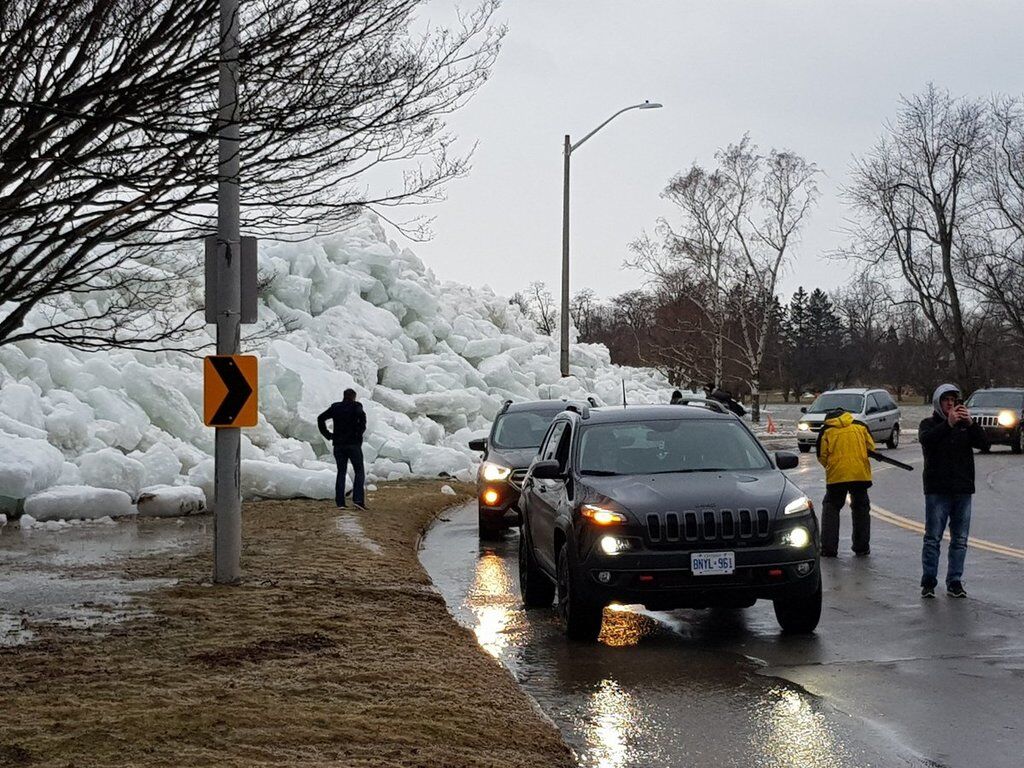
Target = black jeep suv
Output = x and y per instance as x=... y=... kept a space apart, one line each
x=999 y=412
x=669 y=506
x=515 y=436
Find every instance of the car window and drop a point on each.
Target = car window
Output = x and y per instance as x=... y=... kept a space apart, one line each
x=996 y=400
x=887 y=403
x=847 y=401
x=551 y=445
x=676 y=445
x=873 y=404
x=521 y=429
x=562 y=451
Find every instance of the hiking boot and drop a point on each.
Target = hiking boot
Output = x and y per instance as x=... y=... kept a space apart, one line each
x=956 y=589
x=927 y=591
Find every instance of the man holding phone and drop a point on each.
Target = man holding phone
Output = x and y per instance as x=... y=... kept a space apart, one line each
x=948 y=439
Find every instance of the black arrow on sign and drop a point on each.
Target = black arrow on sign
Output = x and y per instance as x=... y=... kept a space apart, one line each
x=238 y=390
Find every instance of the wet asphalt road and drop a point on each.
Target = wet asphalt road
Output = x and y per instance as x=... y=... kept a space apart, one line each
x=887 y=680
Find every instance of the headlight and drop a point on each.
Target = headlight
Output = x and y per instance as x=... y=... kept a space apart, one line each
x=602 y=516
x=492 y=471
x=798 y=537
x=613 y=545
x=799 y=506
x=803 y=426
x=1007 y=418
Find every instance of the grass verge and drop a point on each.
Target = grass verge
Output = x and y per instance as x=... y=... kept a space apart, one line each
x=334 y=651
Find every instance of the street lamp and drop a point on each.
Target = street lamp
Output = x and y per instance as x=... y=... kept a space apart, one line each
x=569 y=149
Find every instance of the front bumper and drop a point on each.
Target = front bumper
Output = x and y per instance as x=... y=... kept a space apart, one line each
x=1000 y=435
x=663 y=580
x=503 y=511
x=807 y=436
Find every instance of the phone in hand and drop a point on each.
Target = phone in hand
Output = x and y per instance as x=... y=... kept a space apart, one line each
x=959 y=401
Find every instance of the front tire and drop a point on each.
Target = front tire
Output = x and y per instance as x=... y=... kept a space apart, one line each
x=536 y=588
x=894 y=437
x=799 y=616
x=1017 y=441
x=581 y=618
x=489 y=530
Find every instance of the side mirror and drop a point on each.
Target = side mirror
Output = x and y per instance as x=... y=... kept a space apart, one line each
x=786 y=460
x=480 y=444
x=803 y=409
x=546 y=470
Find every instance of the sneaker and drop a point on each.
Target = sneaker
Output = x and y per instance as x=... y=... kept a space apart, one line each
x=927 y=591
x=357 y=505
x=956 y=589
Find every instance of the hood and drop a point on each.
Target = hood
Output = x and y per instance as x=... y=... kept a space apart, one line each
x=842 y=420
x=517 y=458
x=643 y=494
x=941 y=390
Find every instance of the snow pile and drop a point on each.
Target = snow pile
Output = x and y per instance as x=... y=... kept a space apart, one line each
x=82 y=502
x=432 y=363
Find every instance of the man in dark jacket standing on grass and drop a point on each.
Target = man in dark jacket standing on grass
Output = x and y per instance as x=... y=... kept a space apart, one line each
x=349 y=422
x=948 y=439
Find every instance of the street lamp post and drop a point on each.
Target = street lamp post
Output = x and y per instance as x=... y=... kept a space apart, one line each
x=568 y=150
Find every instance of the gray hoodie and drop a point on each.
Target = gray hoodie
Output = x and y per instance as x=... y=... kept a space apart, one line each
x=941 y=390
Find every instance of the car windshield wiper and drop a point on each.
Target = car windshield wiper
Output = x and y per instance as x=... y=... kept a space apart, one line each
x=598 y=472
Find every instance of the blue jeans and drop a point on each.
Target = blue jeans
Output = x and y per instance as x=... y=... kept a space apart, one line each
x=343 y=454
x=940 y=508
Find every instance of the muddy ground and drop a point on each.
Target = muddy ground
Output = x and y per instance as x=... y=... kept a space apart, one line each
x=334 y=651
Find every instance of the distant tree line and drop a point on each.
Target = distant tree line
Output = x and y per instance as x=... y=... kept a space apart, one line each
x=937 y=237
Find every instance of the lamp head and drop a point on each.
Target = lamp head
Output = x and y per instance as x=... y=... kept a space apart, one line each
x=650 y=105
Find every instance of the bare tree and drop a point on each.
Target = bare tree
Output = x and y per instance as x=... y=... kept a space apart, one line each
x=736 y=229
x=916 y=195
x=583 y=309
x=108 y=153
x=540 y=306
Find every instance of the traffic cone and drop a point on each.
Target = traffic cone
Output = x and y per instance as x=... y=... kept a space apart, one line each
x=772 y=429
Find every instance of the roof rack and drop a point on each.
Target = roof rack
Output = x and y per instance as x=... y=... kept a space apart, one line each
x=704 y=402
x=581 y=408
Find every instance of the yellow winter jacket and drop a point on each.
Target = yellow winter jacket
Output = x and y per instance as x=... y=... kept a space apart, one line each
x=843 y=450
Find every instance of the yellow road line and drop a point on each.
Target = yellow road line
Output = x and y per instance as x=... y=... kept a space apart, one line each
x=917 y=527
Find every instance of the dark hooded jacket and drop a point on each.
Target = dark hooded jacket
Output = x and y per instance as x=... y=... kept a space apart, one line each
x=349 y=423
x=948 y=451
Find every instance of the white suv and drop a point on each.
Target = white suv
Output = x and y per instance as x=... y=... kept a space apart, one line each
x=873 y=408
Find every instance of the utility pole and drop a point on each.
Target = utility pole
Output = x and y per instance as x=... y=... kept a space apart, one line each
x=227 y=519
x=564 y=346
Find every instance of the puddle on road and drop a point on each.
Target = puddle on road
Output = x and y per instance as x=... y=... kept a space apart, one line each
x=658 y=689
x=48 y=579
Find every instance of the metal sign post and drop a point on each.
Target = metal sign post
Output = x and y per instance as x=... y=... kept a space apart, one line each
x=227 y=505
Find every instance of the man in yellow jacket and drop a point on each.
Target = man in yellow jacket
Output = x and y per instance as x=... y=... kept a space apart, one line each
x=842 y=447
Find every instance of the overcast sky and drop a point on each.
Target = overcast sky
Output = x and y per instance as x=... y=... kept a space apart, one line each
x=814 y=76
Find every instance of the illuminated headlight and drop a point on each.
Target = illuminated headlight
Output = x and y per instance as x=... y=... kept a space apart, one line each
x=799 y=506
x=798 y=537
x=602 y=516
x=613 y=545
x=1007 y=418
x=492 y=471
x=803 y=426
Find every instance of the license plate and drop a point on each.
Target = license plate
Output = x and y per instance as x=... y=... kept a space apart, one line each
x=712 y=563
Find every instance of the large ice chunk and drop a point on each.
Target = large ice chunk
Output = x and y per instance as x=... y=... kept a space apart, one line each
x=171 y=501
x=109 y=468
x=65 y=502
x=27 y=465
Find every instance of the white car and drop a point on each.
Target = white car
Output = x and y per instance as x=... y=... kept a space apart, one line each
x=874 y=408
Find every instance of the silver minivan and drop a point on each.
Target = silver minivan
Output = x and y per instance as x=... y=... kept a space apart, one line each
x=874 y=408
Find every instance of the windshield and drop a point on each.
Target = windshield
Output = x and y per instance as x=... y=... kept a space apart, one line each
x=522 y=429
x=677 y=445
x=846 y=401
x=996 y=400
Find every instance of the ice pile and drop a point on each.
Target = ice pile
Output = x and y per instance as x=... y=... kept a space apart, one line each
x=431 y=361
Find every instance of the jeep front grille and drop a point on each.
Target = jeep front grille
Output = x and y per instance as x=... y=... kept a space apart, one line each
x=987 y=421
x=681 y=529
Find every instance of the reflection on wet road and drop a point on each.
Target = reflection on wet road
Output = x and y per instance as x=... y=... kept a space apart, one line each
x=657 y=689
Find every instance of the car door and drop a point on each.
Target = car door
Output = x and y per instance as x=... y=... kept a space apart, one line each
x=544 y=495
x=873 y=415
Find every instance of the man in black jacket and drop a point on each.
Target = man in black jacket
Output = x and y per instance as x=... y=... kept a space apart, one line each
x=349 y=422
x=948 y=439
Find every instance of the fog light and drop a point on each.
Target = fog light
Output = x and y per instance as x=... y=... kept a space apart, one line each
x=613 y=545
x=491 y=497
x=803 y=568
x=797 y=537
x=604 y=577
